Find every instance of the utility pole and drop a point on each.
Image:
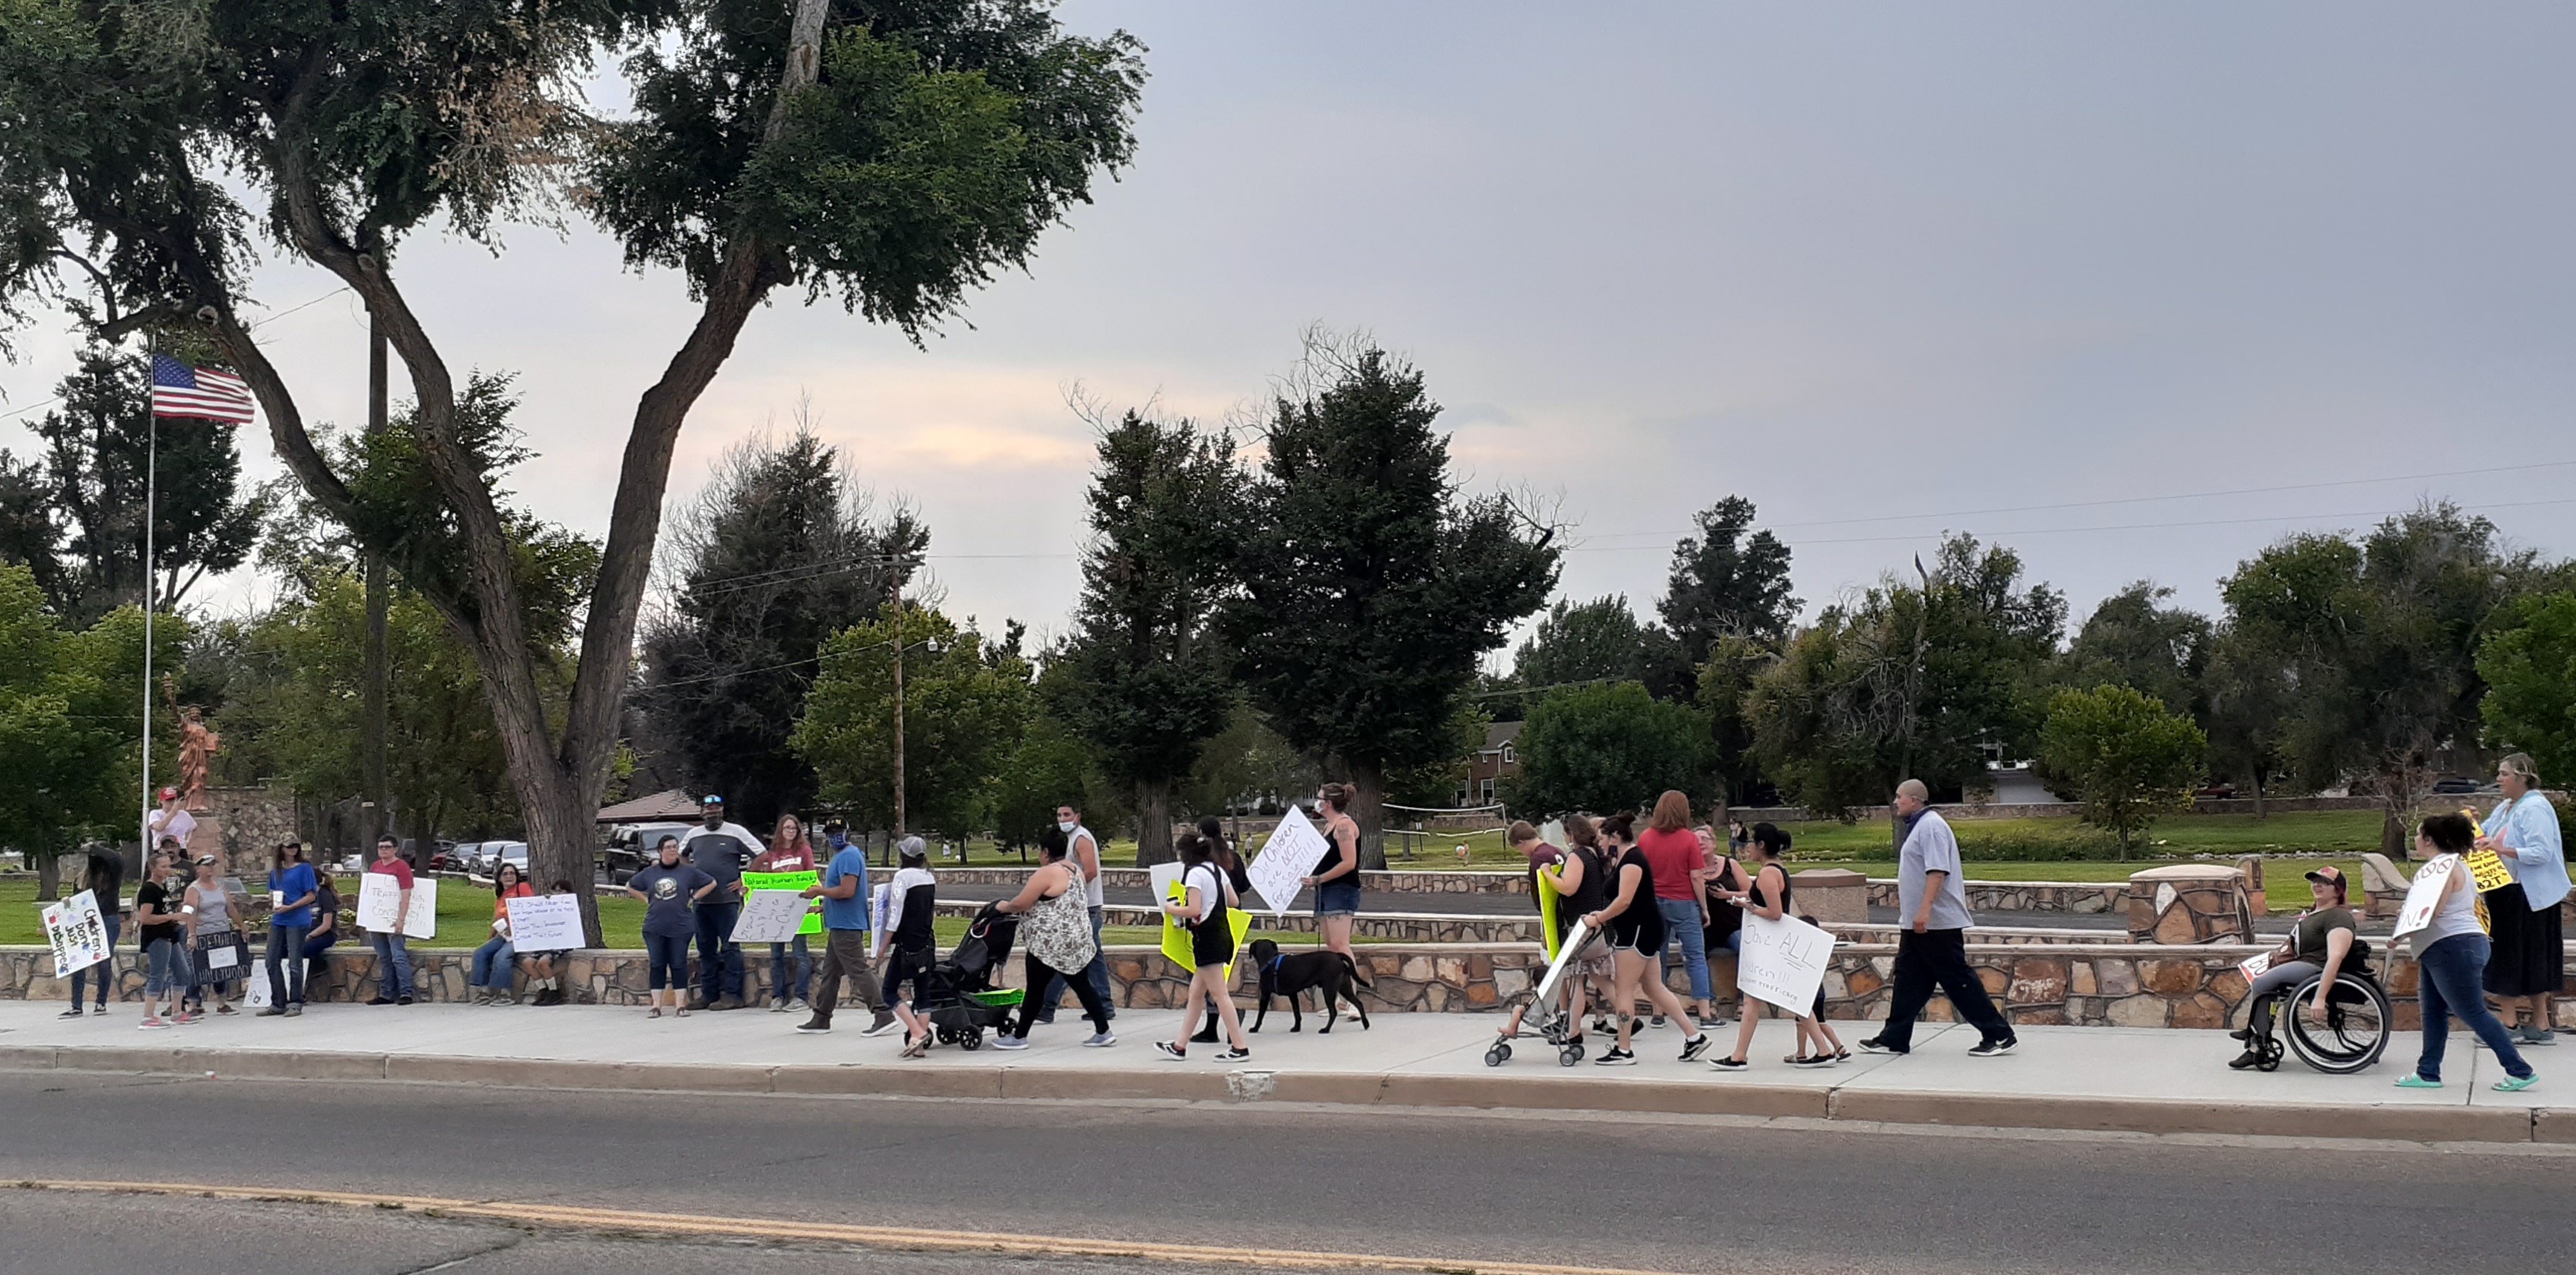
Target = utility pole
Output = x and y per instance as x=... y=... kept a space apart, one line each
x=898 y=711
x=374 y=818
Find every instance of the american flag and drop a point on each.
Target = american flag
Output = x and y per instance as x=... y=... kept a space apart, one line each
x=202 y=393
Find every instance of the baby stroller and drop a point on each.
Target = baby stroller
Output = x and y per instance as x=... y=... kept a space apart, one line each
x=958 y=996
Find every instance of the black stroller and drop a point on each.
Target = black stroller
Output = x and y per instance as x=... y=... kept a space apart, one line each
x=958 y=996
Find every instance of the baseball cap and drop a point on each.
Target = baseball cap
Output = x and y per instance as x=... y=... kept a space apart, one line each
x=169 y=793
x=913 y=848
x=207 y=860
x=2329 y=874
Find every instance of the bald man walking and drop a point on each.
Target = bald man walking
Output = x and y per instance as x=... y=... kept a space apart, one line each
x=1932 y=941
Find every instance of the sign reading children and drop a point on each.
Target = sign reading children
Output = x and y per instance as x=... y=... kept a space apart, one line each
x=77 y=932
x=1286 y=860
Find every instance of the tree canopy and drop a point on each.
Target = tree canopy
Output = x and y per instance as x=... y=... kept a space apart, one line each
x=966 y=702
x=1728 y=579
x=2128 y=755
x=2530 y=670
x=1599 y=641
x=1604 y=749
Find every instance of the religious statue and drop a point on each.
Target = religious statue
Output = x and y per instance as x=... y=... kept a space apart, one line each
x=197 y=745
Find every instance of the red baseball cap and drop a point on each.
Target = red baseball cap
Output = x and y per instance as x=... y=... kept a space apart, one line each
x=168 y=794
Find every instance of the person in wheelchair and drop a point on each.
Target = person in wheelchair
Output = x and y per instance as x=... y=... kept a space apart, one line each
x=2327 y=942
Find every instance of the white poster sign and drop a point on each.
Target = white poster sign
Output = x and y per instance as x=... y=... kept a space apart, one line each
x=255 y=994
x=77 y=932
x=2254 y=966
x=2424 y=895
x=379 y=894
x=1286 y=859
x=1783 y=962
x=769 y=916
x=545 y=923
x=1565 y=952
x=1161 y=878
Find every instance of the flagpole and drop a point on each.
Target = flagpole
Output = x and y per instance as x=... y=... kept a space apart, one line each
x=151 y=497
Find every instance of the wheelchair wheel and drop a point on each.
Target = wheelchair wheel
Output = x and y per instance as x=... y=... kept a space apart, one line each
x=2355 y=1031
x=2268 y=1054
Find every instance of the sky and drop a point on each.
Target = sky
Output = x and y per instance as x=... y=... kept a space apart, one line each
x=2135 y=290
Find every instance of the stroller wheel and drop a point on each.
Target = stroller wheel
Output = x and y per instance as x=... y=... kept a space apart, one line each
x=1498 y=1055
x=947 y=1036
x=1570 y=1055
x=972 y=1040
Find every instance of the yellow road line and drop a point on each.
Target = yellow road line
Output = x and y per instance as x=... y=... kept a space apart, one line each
x=689 y=1224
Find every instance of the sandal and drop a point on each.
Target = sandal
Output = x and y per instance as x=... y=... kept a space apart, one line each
x=655 y=1012
x=917 y=1047
x=680 y=1011
x=1803 y=1060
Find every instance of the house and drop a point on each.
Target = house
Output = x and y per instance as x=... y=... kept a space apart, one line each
x=1499 y=757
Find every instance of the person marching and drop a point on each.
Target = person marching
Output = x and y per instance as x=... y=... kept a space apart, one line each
x=1202 y=910
x=1082 y=849
x=1336 y=880
x=1544 y=860
x=2529 y=965
x=846 y=902
x=1636 y=929
x=788 y=851
x=1768 y=897
x=911 y=899
x=1227 y=861
x=1055 y=940
x=1932 y=949
x=2451 y=960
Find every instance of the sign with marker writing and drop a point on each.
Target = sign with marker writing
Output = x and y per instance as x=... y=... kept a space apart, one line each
x=1286 y=860
x=77 y=933
x=1783 y=961
x=545 y=923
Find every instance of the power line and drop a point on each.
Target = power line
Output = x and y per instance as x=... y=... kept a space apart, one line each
x=248 y=328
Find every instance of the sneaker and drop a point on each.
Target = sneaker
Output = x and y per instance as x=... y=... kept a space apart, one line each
x=730 y=1002
x=1994 y=1048
x=1206 y=1036
x=1169 y=1050
x=1697 y=1045
x=778 y=1006
x=1656 y=1021
x=1874 y=1045
x=1617 y=1057
x=2535 y=1036
x=271 y=1012
x=1813 y=1060
x=403 y=999
x=222 y=1008
x=2247 y=1060
x=697 y=1002
x=884 y=1022
x=73 y=1012
x=1723 y=1064
x=151 y=1021
x=295 y=1010
x=382 y=1000
x=1101 y=1041
x=1010 y=1042
x=187 y=1019
x=1234 y=1055
x=816 y=1026
x=2516 y=1084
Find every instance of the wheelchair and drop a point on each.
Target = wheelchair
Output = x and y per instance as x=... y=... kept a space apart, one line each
x=2352 y=1037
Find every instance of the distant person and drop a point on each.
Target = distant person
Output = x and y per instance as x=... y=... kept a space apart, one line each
x=1724 y=930
x=1055 y=940
x=788 y=851
x=1768 y=897
x=1206 y=898
x=2529 y=963
x=1636 y=930
x=393 y=951
x=293 y=888
x=843 y=891
x=911 y=899
x=104 y=877
x=491 y=975
x=215 y=936
x=1932 y=946
x=169 y=821
x=721 y=850
x=670 y=890
x=545 y=969
x=1336 y=879
x=2320 y=946
x=1680 y=866
x=1082 y=848
x=161 y=934
x=2451 y=960
x=319 y=940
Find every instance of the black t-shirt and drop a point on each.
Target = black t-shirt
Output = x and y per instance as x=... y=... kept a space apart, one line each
x=326 y=907
x=153 y=895
x=1593 y=893
x=107 y=881
x=1642 y=904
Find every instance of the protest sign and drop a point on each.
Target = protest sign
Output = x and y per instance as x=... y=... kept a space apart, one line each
x=2253 y=966
x=255 y=992
x=1176 y=940
x=2487 y=870
x=769 y=916
x=545 y=923
x=2424 y=895
x=379 y=895
x=77 y=932
x=795 y=881
x=1286 y=859
x=1783 y=961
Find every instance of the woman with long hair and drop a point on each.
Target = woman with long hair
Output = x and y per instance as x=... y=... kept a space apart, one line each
x=1583 y=882
x=1680 y=866
x=2451 y=962
x=292 y=889
x=493 y=960
x=1221 y=850
x=1336 y=880
x=1636 y=930
x=789 y=851
x=1768 y=897
x=1206 y=898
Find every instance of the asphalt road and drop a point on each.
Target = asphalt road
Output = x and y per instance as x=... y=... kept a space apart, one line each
x=1639 y=1193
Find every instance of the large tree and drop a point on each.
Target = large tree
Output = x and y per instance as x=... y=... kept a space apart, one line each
x=1599 y=641
x=2530 y=670
x=2134 y=639
x=1146 y=674
x=966 y=703
x=892 y=155
x=1605 y=749
x=70 y=729
x=780 y=550
x=1372 y=586
x=1728 y=580
x=2129 y=756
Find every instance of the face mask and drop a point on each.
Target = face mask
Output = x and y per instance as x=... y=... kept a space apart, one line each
x=1065 y=825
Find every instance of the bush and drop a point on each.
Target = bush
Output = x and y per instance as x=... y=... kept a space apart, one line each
x=1996 y=843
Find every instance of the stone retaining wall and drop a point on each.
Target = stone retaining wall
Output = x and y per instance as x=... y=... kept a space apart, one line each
x=1399 y=927
x=2025 y=896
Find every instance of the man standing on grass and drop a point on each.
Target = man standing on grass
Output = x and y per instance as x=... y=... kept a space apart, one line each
x=720 y=850
x=843 y=889
x=1932 y=943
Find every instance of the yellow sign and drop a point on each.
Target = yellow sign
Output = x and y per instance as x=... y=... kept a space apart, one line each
x=2487 y=870
x=1176 y=940
x=1544 y=883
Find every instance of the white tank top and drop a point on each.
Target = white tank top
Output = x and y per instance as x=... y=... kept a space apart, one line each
x=1094 y=891
x=2457 y=913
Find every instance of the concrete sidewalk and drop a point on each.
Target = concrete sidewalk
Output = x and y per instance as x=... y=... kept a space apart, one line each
x=2078 y=1078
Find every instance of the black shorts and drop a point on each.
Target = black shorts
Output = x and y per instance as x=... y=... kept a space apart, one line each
x=1633 y=932
x=903 y=967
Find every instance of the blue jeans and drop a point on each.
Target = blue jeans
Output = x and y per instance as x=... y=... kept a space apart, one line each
x=2449 y=979
x=1682 y=923
x=165 y=968
x=492 y=964
x=393 y=963
x=317 y=971
x=719 y=960
x=105 y=971
x=666 y=961
x=1097 y=972
x=778 y=968
x=286 y=965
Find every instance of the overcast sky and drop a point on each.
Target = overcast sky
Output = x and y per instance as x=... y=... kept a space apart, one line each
x=1883 y=270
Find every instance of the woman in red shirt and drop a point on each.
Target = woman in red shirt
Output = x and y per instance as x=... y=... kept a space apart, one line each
x=492 y=960
x=1680 y=869
x=788 y=851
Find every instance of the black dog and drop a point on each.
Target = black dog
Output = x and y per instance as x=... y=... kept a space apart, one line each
x=1331 y=973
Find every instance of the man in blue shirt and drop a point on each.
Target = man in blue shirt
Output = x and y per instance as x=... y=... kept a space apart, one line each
x=844 y=892
x=291 y=890
x=1932 y=935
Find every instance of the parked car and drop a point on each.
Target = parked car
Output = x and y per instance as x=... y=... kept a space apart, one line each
x=2217 y=791
x=2454 y=786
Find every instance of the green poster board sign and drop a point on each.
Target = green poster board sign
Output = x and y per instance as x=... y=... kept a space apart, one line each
x=813 y=923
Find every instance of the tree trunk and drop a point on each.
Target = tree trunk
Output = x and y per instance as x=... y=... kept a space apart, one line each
x=2257 y=781
x=1368 y=810
x=1154 y=822
x=561 y=826
x=2392 y=834
x=49 y=876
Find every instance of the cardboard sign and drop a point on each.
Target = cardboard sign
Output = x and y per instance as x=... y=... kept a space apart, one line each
x=2424 y=894
x=1176 y=940
x=379 y=894
x=2487 y=870
x=2254 y=966
x=770 y=916
x=1783 y=962
x=1286 y=859
x=545 y=923
x=77 y=933
x=793 y=882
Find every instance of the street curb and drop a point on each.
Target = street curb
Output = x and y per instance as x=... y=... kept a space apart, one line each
x=1494 y=1090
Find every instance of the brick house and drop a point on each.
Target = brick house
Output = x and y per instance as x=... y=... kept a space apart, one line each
x=1487 y=767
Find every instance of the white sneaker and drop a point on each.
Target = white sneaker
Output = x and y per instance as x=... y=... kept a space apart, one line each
x=1102 y=1041
x=1009 y=1042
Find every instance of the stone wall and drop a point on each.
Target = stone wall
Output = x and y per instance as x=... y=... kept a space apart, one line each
x=1399 y=927
x=2024 y=896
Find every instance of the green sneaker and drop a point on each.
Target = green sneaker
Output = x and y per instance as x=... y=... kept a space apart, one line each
x=2412 y=1081
x=2516 y=1084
